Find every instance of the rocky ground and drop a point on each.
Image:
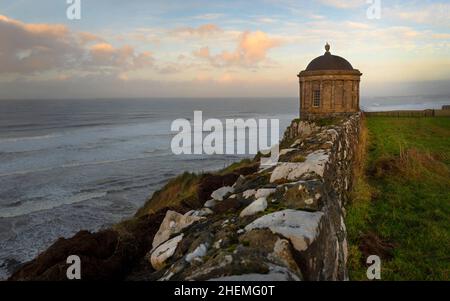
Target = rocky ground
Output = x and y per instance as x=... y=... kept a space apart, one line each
x=285 y=222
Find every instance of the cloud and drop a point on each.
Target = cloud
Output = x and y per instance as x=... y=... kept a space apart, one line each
x=365 y=37
x=169 y=69
x=209 y=16
x=254 y=46
x=125 y=57
x=441 y=36
x=226 y=78
x=267 y=20
x=357 y=25
x=316 y=17
x=87 y=37
x=202 y=53
x=252 y=49
x=344 y=3
x=33 y=48
x=202 y=30
x=435 y=14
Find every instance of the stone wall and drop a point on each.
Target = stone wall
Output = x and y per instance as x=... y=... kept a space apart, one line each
x=281 y=223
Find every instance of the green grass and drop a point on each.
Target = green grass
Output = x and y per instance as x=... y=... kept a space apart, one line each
x=237 y=165
x=328 y=121
x=178 y=190
x=389 y=134
x=402 y=197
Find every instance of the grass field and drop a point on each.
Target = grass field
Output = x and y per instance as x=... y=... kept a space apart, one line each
x=400 y=204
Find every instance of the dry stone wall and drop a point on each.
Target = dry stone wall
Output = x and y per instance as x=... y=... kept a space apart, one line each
x=280 y=223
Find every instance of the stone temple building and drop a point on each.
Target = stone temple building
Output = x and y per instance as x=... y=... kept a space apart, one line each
x=329 y=87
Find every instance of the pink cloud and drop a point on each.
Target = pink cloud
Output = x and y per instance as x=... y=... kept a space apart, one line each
x=125 y=57
x=202 y=30
x=87 y=37
x=251 y=49
x=30 y=48
x=33 y=47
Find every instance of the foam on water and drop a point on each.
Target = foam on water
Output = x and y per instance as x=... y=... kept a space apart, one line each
x=46 y=204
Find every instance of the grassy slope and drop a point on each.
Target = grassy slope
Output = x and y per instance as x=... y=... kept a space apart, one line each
x=183 y=190
x=402 y=198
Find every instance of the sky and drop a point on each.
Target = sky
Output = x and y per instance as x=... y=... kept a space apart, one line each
x=196 y=48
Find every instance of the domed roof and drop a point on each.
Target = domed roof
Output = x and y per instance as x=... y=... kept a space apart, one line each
x=329 y=62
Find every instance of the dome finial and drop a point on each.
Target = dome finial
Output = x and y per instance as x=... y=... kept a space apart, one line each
x=327 y=47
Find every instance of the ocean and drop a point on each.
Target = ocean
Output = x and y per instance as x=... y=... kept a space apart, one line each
x=67 y=165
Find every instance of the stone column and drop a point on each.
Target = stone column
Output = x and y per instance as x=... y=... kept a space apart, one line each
x=357 y=94
x=333 y=105
x=300 y=98
x=353 y=95
x=321 y=95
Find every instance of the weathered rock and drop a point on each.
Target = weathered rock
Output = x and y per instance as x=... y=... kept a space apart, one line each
x=210 y=183
x=239 y=182
x=264 y=192
x=333 y=133
x=256 y=181
x=314 y=162
x=200 y=213
x=296 y=143
x=173 y=223
x=220 y=193
x=159 y=256
x=262 y=240
x=218 y=244
x=249 y=193
x=173 y=270
x=210 y=204
x=299 y=227
x=199 y=252
x=193 y=238
x=286 y=151
x=257 y=206
x=298 y=197
x=306 y=128
x=282 y=253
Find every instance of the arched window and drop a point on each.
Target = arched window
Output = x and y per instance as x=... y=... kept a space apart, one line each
x=316 y=98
